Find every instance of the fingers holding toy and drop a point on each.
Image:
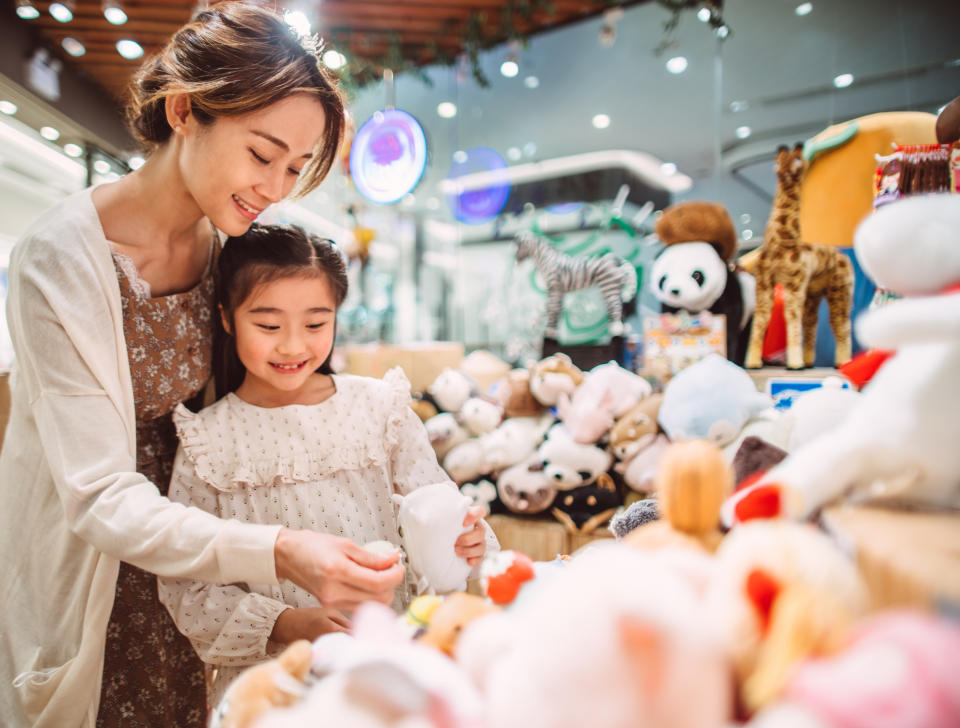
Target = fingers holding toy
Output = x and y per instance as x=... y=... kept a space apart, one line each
x=472 y=544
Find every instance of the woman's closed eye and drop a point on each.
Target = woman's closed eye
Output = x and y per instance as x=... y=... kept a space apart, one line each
x=264 y=161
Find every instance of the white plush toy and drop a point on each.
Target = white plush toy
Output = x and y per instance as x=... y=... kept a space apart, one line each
x=710 y=400
x=514 y=440
x=900 y=440
x=466 y=462
x=445 y=433
x=568 y=464
x=431 y=521
x=480 y=416
x=451 y=389
x=607 y=392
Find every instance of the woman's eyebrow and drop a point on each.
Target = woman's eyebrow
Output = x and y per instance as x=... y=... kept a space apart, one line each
x=279 y=142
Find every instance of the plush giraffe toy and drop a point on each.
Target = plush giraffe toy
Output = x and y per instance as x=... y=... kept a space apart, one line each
x=806 y=272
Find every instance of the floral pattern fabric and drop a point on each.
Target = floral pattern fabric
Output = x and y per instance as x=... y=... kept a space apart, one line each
x=152 y=676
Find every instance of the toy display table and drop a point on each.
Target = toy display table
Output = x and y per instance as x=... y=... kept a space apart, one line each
x=541 y=539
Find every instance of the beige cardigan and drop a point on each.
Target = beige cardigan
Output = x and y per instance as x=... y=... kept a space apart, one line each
x=71 y=502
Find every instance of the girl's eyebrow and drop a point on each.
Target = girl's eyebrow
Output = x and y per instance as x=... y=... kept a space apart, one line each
x=279 y=142
x=270 y=309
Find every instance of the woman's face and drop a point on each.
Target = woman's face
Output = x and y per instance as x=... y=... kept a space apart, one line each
x=237 y=166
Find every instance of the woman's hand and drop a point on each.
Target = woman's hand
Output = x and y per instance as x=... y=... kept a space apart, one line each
x=308 y=623
x=338 y=572
x=472 y=545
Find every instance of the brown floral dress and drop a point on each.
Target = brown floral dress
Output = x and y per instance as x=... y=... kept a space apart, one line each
x=152 y=677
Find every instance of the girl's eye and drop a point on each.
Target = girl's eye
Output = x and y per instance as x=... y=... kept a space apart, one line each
x=259 y=158
x=314 y=327
x=267 y=327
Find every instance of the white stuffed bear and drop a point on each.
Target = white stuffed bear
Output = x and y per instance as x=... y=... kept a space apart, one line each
x=445 y=433
x=480 y=416
x=431 y=521
x=568 y=464
x=900 y=440
x=466 y=462
x=451 y=389
x=514 y=440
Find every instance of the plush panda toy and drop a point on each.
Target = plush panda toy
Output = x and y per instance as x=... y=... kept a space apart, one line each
x=694 y=271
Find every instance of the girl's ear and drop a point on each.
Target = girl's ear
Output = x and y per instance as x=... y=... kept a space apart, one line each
x=177 y=108
x=224 y=319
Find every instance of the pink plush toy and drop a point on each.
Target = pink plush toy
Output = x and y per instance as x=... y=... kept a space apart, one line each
x=901 y=670
x=607 y=392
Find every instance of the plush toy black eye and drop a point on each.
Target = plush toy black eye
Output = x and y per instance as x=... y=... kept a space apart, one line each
x=698 y=277
x=584 y=474
x=662 y=282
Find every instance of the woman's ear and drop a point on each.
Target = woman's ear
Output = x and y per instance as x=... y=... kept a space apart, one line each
x=177 y=109
x=224 y=320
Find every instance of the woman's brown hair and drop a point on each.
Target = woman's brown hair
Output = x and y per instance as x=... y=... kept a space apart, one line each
x=232 y=59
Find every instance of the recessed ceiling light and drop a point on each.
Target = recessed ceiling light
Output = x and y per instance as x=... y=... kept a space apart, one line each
x=74 y=47
x=72 y=150
x=601 y=121
x=704 y=14
x=677 y=64
x=722 y=31
x=334 y=60
x=298 y=21
x=509 y=68
x=27 y=10
x=668 y=168
x=531 y=82
x=743 y=132
x=745 y=218
x=101 y=166
x=62 y=11
x=129 y=49
x=113 y=12
x=49 y=133
x=843 y=80
x=460 y=156
x=737 y=106
x=136 y=161
x=447 y=109
x=8 y=107
x=529 y=149
x=803 y=8
x=514 y=154
x=747 y=234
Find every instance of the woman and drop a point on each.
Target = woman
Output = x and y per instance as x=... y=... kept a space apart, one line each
x=111 y=312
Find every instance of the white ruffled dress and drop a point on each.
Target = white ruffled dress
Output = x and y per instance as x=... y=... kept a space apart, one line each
x=330 y=467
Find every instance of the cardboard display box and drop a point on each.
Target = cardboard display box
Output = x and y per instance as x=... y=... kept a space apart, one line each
x=422 y=363
x=541 y=539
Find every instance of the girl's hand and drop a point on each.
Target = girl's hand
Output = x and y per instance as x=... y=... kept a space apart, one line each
x=472 y=545
x=308 y=623
x=338 y=572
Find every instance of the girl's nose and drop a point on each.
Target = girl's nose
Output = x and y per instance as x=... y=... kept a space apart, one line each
x=291 y=343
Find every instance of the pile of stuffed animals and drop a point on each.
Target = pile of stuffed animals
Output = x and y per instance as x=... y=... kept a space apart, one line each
x=716 y=605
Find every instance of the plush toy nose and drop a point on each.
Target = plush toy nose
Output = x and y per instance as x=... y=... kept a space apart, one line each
x=675 y=291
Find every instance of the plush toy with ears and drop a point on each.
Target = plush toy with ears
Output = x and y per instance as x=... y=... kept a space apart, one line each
x=553 y=375
x=276 y=683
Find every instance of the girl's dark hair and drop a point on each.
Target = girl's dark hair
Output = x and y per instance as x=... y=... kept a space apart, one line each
x=232 y=59
x=263 y=254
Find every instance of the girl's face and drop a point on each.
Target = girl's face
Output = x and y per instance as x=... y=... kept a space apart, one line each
x=284 y=332
x=237 y=166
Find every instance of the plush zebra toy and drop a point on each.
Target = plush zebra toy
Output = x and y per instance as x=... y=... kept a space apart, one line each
x=615 y=277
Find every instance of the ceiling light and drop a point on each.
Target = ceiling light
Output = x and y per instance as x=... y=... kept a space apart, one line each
x=745 y=218
x=737 y=106
x=62 y=11
x=136 y=161
x=447 y=109
x=49 y=133
x=843 y=80
x=743 y=132
x=514 y=154
x=704 y=14
x=601 y=121
x=8 y=107
x=668 y=168
x=72 y=150
x=298 y=21
x=722 y=31
x=509 y=68
x=129 y=49
x=803 y=8
x=677 y=64
x=459 y=156
x=113 y=12
x=334 y=59
x=101 y=166
x=73 y=47
x=531 y=82
x=747 y=234
x=529 y=149
x=27 y=10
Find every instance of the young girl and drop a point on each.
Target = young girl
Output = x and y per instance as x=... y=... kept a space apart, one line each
x=291 y=444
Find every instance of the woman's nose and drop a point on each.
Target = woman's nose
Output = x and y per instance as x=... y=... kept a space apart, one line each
x=273 y=186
